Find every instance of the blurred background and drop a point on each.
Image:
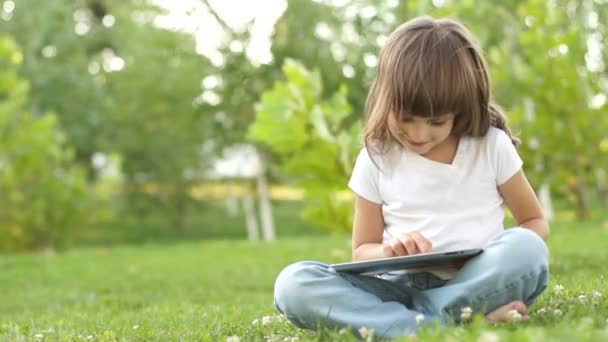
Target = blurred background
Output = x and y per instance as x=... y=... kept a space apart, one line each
x=129 y=122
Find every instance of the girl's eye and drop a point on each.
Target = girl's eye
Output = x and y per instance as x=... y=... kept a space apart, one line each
x=438 y=123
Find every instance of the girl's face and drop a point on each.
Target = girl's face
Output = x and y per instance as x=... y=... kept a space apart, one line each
x=419 y=134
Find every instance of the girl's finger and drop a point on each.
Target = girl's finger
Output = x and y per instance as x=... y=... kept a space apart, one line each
x=409 y=244
x=388 y=252
x=398 y=247
x=424 y=244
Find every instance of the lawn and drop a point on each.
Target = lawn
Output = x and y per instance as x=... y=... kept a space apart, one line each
x=222 y=290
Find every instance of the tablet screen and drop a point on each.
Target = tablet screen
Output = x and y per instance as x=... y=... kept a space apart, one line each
x=406 y=262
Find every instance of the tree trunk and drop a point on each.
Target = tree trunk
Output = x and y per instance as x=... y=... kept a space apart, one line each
x=250 y=219
x=602 y=187
x=180 y=218
x=582 y=209
x=544 y=196
x=265 y=206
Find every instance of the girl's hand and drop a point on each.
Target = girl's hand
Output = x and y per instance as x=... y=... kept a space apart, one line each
x=407 y=244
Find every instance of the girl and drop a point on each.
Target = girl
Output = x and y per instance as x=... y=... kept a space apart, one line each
x=438 y=167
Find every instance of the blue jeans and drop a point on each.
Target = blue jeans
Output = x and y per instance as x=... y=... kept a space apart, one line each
x=514 y=266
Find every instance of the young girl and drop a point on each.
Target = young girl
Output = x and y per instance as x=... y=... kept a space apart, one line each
x=438 y=167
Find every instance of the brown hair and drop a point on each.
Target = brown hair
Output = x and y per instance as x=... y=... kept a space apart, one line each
x=431 y=67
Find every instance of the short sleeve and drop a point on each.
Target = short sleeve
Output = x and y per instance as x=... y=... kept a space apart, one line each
x=364 y=179
x=507 y=161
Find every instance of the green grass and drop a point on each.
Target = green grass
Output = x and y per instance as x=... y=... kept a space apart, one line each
x=208 y=291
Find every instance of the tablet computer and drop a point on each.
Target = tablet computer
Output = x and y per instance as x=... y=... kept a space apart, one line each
x=406 y=262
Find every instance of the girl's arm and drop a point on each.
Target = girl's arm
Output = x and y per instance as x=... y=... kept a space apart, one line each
x=368 y=226
x=367 y=235
x=523 y=204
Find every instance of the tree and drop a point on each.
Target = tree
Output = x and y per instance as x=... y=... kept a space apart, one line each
x=54 y=40
x=121 y=85
x=316 y=146
x=44 y=196
x=160 y=121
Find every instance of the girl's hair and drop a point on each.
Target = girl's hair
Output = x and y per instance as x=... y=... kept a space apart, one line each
x=428 y=68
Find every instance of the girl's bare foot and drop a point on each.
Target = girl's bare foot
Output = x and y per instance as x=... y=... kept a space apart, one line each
x=514 y=311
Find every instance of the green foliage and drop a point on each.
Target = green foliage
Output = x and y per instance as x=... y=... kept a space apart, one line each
x=159 y=123
x=315 y=145
x=182 y=292
x=129 y=88
x=55 y=64
x=44 y=197
x=562 y=129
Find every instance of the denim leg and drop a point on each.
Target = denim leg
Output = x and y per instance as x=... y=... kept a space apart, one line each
x=512 y=267
x=311 y=295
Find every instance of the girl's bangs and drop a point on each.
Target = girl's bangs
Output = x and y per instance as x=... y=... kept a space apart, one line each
x=433 y=83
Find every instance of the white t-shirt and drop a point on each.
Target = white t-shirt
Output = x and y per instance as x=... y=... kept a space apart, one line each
x=455 y=206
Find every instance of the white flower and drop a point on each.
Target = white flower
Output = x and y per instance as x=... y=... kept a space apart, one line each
x=266 y=320
x=255 y=322
x=342 y=331
x=38 y=336
x=595 y=297
x=419 y=319
x=465 y=313
x=514 y=316
x=272 y=338
x=90 y=337
x=488 y=336
x=291 y=339
x=558 y=289
x=135 y=327
x=541 y=311
x=582 y=298
x=233 y=338
x=366 y=333
x=557 y=312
